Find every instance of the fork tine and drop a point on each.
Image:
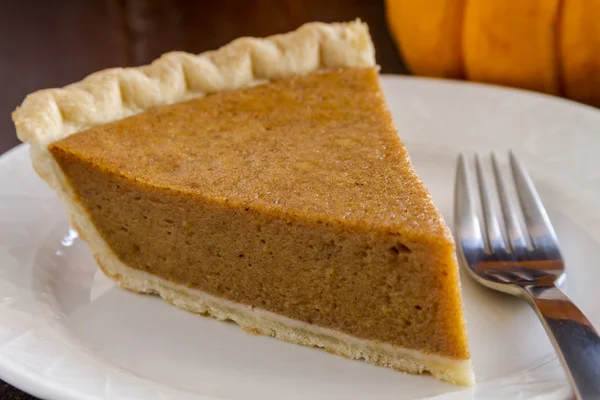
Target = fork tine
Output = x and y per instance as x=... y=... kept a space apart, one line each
x=536 y=218
x=490 y=217
x=468 y=228
x=514 y=230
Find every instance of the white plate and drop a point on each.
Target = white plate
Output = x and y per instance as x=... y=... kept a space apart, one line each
x=67 y=332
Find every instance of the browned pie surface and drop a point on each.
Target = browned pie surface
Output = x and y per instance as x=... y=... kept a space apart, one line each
x=295 y=196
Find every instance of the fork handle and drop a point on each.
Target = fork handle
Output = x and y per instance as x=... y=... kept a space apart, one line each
x=573 y=337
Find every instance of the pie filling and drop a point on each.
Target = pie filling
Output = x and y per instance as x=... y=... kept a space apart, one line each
x=295 y=197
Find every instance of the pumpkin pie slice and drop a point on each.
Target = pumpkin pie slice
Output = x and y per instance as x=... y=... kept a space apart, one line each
x=262 y=183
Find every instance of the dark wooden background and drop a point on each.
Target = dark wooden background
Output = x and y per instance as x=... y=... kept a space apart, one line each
x=51 y=43
x=47 y=43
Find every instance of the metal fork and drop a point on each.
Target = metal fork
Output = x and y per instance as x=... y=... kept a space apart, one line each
x=524 y=261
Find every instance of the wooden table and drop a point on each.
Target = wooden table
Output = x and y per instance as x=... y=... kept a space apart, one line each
x=53 y=43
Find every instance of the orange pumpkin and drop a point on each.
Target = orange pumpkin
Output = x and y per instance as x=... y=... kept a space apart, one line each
x=552 y=46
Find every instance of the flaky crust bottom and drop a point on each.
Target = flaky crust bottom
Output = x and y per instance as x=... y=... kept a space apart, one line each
x=262 y=322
